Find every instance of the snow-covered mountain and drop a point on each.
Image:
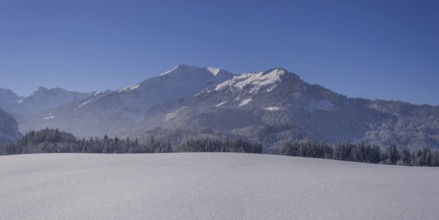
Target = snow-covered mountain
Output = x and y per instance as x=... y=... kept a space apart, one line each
x=269 y=107
x=275 y=106
x=8 y=128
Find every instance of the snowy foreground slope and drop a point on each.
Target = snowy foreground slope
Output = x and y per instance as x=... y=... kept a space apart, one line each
x=211 y=186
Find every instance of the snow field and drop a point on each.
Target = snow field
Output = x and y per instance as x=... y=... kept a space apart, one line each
x=211 y=186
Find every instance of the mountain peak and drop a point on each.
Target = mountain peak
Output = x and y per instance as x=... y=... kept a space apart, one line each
x=188 y=69
x=8 y=92
x=179 y=68
x=278 y=72
x=213 y=70
x=43 y=89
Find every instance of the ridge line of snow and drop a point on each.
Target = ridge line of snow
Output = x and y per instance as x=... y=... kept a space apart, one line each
x=130 y=88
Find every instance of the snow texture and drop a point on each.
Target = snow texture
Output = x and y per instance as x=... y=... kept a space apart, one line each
x=220 y=104
x=245 y=102
x=273 y=108
x=170 y=116
x=50 y=117
x=130 y=88
x=211 y=186
x=83 y=104
x=213 y=70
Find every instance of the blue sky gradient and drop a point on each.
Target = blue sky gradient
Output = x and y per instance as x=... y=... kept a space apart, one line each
x=386 y=49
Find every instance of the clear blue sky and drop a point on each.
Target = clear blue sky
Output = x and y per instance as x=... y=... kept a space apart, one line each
x=386 y=49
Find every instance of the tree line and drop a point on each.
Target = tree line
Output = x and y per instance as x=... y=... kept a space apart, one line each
x=217 y=145
x=55 y=141
x=363 y=153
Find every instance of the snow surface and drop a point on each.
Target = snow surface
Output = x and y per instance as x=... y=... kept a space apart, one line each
x=214 y=70
x=245 y=102
x=220 y=104
x=211 y=186
x=97 y=93
x=83 y=104
x=50 y=117
x=170 y=71
x=273 y=108
x=170 y=116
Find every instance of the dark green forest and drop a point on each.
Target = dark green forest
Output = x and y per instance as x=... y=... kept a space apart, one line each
x=55 y=141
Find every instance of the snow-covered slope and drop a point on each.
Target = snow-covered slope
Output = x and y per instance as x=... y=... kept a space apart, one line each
x=8 y=128
x=211 y=186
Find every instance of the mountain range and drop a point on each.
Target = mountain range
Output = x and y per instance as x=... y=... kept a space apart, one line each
x=269 y=107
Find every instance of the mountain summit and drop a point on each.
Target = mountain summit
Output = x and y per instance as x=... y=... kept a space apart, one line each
x=184 y=69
